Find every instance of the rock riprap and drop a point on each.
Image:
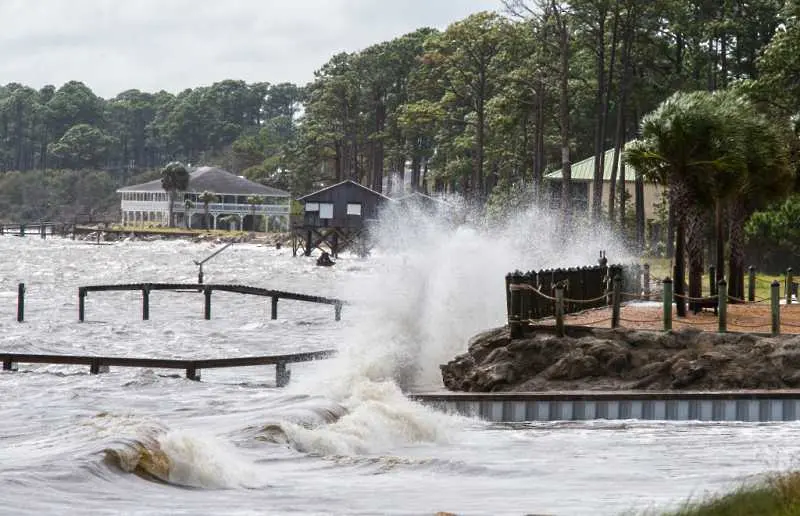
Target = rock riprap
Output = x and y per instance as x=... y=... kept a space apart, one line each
x=605 y=359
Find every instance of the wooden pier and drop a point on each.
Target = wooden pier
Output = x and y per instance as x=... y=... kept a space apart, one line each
x=192 y=367
x=206 y=290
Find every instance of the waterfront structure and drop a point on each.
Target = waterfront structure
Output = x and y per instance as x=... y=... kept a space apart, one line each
x=239 y=203
x=582 y=187
x=336 y=216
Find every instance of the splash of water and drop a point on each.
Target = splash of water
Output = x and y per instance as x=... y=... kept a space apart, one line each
x=438 y=280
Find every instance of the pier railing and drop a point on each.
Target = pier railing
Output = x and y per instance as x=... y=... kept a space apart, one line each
x=207 y=290
x=192 y=367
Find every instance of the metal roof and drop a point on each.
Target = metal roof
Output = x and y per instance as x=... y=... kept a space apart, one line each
x=214 y=180
x=337 y=185
x=584 y=170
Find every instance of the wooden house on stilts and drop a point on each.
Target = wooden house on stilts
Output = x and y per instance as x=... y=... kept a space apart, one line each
x=336 y=217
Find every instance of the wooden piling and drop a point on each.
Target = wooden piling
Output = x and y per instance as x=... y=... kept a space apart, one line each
x=751 y=284
x=667 y=303
x=192 y=373
x=646 y=281
x=207 y=304
x=81 y=303
x=22 y=230
x=514 y=320
x=21 y=302
x=617 y=301
x=789 y=281
x=722 y=305
x=560 y=309
x=775 y=307
x=274 y=312
x=145 y=303
x=337 y=311
x=282 y=374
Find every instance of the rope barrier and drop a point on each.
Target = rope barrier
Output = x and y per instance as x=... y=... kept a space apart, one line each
x=751 y=326
x=525 y=286
x=694 y=323
x=645 y=321
x=689 y=298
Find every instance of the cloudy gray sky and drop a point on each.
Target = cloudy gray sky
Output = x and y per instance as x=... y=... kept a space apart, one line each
x=114 y=45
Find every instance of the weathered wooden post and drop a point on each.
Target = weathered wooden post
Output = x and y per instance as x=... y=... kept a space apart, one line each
x=21 y=302
x=514 y=322
x=722 y=305
x=81 y=303
x=43 y=231
x=775 y=306
x=560 y=309
x=274 y=313
x=646 y=281
x=712 y=280
x=667 y=300
x=145 y=303
x=22 y=230
x=617 y=301
x=789 y=286
x=508 y=294
x=207 y=304
x=282 y=374
x=751 y=284
x=337 y=311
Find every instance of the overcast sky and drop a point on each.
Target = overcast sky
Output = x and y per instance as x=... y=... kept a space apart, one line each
x=114 y=45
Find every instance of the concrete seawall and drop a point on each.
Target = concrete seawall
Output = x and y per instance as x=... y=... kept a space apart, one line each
x=746 y=406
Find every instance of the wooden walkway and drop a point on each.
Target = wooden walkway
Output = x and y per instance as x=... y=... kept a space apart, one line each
x=192 y=367
x=207 y=290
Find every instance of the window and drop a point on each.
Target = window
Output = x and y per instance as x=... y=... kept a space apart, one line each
x=326 y=210
x=312 y=206
x=354 y=208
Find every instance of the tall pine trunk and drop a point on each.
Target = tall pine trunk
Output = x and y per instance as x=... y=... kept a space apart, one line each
x=738 y=216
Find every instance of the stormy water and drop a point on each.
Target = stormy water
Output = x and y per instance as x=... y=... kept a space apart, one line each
x=342 y=438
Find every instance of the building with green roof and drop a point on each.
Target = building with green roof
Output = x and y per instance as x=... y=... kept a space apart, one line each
x=582 y=188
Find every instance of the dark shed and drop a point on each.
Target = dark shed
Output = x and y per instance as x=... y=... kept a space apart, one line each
x=337 y=217
x=343 y=205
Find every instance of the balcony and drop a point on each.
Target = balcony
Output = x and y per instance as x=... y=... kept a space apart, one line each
x=214 y=208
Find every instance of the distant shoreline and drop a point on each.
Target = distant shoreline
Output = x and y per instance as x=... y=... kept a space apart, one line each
x=117 y=233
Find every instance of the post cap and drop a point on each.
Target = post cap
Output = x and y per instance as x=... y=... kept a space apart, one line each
x=775 y=283
x=667 y=280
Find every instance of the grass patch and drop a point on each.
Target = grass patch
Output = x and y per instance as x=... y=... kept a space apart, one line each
x=776 y=496
x=662 y=267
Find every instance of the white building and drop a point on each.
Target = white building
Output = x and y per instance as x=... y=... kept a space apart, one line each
x=147 y=203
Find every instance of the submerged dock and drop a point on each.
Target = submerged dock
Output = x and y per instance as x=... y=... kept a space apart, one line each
x=98 y=364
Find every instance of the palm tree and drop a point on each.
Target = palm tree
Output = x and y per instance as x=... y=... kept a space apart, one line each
x=188 y=206
x=678 y=145
x=768 y=177
x=207 y=198
x=174 y=178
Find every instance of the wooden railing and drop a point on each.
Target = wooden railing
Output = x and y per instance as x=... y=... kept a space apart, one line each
x=191 y=366
x=207 y=290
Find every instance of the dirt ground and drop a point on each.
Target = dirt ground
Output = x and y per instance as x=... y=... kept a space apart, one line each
x=745 y=318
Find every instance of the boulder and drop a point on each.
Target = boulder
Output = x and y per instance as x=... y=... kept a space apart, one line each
x=606 y=359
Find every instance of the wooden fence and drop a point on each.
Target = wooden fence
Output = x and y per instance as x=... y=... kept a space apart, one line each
x=584 y=288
